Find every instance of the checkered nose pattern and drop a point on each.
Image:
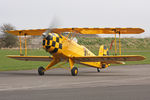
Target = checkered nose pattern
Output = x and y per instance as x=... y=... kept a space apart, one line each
x=52 y=43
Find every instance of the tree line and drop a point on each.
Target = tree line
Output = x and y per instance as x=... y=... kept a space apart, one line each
x=7 y=40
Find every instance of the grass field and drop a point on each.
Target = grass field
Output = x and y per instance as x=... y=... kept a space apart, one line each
x=130 y=46
x=11 y=64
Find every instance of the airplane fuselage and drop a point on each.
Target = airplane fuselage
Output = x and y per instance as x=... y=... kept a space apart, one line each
x=62 y=47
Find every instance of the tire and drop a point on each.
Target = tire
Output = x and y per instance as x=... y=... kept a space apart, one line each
x=74 y=71
x=103 y=65
x=98 y=70
x=41 y=71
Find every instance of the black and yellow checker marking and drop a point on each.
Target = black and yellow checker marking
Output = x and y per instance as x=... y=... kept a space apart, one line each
x=53 y=42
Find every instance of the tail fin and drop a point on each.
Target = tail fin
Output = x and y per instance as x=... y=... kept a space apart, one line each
x=103 y=51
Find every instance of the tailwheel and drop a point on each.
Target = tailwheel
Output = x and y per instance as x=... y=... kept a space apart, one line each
x=98 y=70
x=41 y=70
x=74 y=71
x=103 y=65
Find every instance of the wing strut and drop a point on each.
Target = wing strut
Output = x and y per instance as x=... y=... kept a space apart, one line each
x=25 y=45
x=20 y=43
x=119 y=44
x=115 y=45
x=25 y=38
x=115 y=31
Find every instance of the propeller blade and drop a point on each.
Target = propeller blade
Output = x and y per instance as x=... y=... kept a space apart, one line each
x=54 y=24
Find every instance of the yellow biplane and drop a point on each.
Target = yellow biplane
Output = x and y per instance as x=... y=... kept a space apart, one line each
x=61 y=44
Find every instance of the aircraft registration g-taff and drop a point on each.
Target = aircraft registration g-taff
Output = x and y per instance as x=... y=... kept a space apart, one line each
x=60 y=43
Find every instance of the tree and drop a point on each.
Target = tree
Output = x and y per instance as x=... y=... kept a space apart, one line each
x=8 y=40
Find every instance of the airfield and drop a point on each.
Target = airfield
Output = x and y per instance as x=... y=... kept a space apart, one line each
x=128 y=82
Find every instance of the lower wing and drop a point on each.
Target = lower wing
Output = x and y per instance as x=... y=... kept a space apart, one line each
x=105 y=59
x=108 y=59
x=31 y=58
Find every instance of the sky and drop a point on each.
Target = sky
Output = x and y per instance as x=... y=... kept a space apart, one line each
x=36 y=14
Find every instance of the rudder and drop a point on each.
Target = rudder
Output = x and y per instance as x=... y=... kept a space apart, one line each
x=103 y=51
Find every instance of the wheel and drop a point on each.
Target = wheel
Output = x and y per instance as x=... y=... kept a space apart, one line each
x=41 y=70
x=98 y=70
x=103 y=65
x=74 y=71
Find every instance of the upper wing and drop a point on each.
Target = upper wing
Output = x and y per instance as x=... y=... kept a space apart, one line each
x=80 y=30
x=108 y=59
x=27 y=32
x=100 y=30
x=31 y=58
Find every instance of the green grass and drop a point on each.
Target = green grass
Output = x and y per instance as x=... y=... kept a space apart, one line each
x=145 y=53
x=7 y=64
x=127 y=43
x=11 y=64
x=129 y=47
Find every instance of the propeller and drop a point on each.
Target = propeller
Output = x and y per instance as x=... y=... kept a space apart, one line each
x=54 y=24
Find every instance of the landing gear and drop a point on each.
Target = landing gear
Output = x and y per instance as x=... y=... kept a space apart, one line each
x=103 y=65
x=98 y=70
x=74 y=71
x=41 y=71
